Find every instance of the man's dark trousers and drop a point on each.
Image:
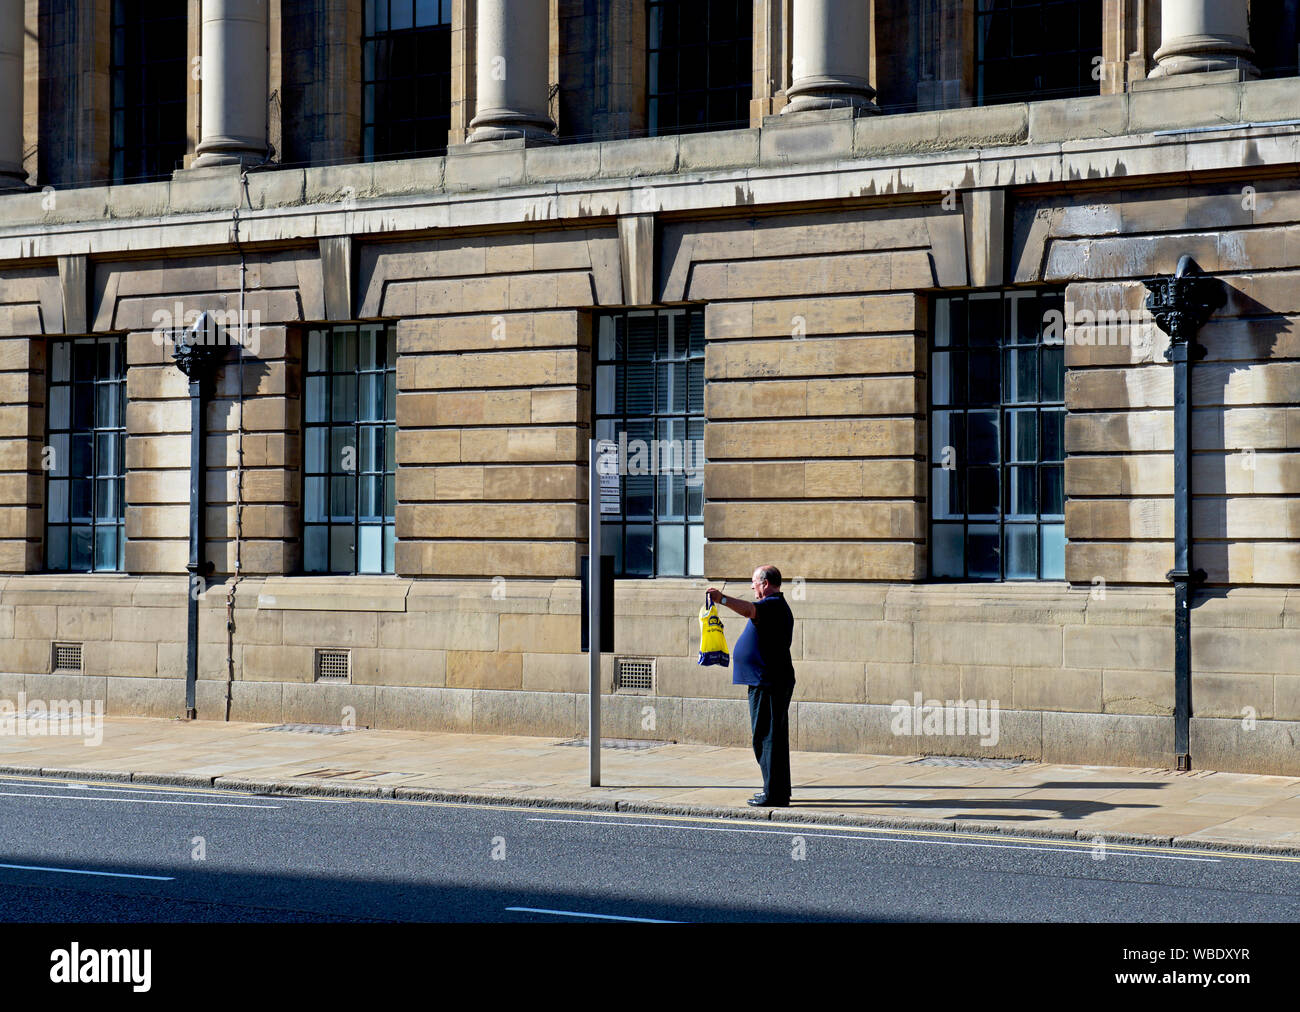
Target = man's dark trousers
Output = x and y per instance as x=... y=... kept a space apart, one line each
x=769 y=717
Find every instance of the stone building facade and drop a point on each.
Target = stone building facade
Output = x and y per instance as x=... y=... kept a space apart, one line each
x=913 y=281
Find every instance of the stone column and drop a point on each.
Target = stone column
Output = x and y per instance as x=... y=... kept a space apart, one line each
x=1202 y=36
x=831 y=56
x=234 y=83
x=513 y=50
x=11 y=95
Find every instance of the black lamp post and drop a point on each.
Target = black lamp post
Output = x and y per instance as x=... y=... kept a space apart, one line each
x=198 y=355
x=1181 y=305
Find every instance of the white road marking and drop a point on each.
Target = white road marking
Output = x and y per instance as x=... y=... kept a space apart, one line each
x=167 y=789
x=78 y=871
x=1080 y=847
x=132 y=801
x=578 y=913
x=122 y=789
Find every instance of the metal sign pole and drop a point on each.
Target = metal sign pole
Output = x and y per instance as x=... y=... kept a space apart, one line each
x=593 y=609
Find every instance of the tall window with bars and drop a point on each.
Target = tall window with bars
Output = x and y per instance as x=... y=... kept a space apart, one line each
x=997 y=423
x=700 y=64
x=1036 y=49
x=149 y=73
x=406 y=77
x=84 y=494
x=650 y=406
x=350 y=435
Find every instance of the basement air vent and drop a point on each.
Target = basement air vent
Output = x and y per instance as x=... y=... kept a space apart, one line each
x=622 y=744
x=969 y=763
x=333 y=665
x=635 y=675
x=67 y=658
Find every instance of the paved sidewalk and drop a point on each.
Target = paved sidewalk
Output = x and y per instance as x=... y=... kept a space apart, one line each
x=1220 y=810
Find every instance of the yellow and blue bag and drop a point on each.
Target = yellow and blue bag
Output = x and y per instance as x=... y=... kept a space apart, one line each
x=713 y=642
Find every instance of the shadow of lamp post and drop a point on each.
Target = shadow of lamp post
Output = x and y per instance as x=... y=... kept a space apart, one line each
x=198 y=352
x=1181 y=304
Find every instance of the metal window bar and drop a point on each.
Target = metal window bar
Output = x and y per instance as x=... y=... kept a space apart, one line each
x=649 y=400
x=1033 y=469
x=350 y=434
x=85 y=492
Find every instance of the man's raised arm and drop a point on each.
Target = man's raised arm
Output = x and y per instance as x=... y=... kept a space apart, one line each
x=745 y=608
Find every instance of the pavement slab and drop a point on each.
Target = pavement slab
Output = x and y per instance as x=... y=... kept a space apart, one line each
x=1202 y=808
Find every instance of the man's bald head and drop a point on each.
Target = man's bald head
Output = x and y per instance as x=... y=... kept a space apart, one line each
x=771 y=574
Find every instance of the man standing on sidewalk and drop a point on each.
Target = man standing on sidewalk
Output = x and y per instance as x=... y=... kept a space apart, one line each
x=761 y=660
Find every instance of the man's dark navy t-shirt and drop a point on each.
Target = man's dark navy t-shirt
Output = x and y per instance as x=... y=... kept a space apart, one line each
x=762 y=654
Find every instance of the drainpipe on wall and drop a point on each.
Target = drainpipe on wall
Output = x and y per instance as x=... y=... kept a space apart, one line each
x=1181 y=305
x=197 y=355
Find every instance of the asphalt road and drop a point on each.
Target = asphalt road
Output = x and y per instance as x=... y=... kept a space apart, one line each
x=73 y=852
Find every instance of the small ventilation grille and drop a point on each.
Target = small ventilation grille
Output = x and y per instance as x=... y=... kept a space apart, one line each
x=333 y=665
x=977 y=764
x=622 y=744
x=634 y=674
x=311 y=728
x=67 y=657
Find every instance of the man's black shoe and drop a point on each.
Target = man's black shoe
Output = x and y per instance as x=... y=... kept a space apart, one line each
x=762 y=801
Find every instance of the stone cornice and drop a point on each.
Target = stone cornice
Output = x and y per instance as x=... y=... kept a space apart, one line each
x=819 y=158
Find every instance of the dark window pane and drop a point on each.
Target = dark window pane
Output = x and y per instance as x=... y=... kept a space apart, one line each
x=149 y=75
x=407 y=78
x=1021 y=380
x=1022 y=436
x=1053 y=435
x=699 y=64
x=81 y=549
x=56 y=548
x=349 y=468
x=638 y=553
x=983 y=552
x=1036 y=49
x=316 y=549
x=998 y=457
x=1053 y=374
x=343 y=555
x=948 y=551
x=649 y=400
x=985 y=385
x=983 y=492
x=985 y=323
x=983 y=445
x=945 y=491
x=1053 y=490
